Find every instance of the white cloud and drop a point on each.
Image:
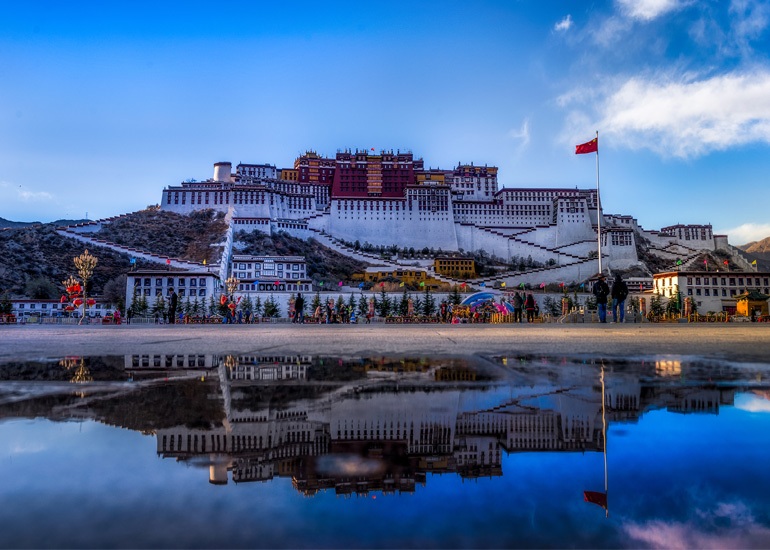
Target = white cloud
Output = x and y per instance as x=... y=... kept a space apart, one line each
x=746 y=233
x=688 y=118
x=521 y=134
x=647 y=10
x=564 y=24
x=25 y=195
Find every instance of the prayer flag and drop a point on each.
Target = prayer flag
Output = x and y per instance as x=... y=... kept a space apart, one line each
x=726 y=262
x=168 y=261
x=462 y=285
x=482 y=284
x=133 y=260
x=542 y=285
x=422 y=283
x=595 y=497
x=382 y=284
x=754 y=262
x=587 y=147
x=679 y=262
x=502 y=284
x=360 y=285
x=321 y=283
x=561 y=285
x=522 y=285
x=402 y=284
x=204 y=261
x=339 y=284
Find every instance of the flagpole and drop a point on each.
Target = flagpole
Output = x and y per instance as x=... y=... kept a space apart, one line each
x=598 y=204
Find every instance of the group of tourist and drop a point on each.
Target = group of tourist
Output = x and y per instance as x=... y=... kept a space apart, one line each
x=618 y=293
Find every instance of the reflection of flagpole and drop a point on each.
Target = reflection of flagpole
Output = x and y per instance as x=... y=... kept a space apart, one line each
x=604 y=436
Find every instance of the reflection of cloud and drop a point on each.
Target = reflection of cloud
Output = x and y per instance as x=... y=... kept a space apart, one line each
x=349 y=465
x=751 y=403
x=727 y=525
x=27 y=448
x=564 y=24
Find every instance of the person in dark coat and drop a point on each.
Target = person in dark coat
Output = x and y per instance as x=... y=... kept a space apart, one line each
x=172 y=301
x=619 y=294
x=601 y=291
x=299 y=309
x=529 y=305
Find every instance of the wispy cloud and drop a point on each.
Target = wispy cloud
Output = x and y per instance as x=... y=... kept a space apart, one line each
x=752 y=403
x=746 y=233
x=25 y=195
x=521 y=135
x=689 y=118
x=647 y=10
x=564 y=25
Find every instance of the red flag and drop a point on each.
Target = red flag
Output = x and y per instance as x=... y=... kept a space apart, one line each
x=168 y=261
x=587 y=147
x=726 y=262
x=595 y=497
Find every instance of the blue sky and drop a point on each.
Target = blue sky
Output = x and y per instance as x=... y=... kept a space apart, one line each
x=104 y=104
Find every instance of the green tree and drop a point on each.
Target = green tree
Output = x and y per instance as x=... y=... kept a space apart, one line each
x=6 y=307
x=41 y=288
x=656 y=306
x=551 y=306
x=196 y=307
x=159 y=306
x=213 y=306
x=455 y=298
x=315 y=303
x=352 y=303
x=384 y=306
x=340 y=304
x=258 y=307
x=247 y=304
x=428 y=303
x=403 y=305
x=114 y=291
x=272 y=309
x=363 y=306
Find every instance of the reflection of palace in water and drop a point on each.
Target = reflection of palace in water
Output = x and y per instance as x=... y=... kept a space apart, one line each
x=383 y=424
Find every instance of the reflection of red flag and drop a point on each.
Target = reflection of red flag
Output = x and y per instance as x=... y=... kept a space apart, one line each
x=588 y=147
x=595 y=497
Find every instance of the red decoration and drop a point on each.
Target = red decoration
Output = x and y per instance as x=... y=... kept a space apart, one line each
x=77 y=302
x=69 y=308
x=63 y=299
x=223 y=299
x=90 y=302
x=232 y=306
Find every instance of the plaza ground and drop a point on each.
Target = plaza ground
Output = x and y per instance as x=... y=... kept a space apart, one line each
x=747 y=342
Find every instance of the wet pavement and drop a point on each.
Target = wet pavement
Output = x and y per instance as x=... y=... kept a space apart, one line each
x=730 y=341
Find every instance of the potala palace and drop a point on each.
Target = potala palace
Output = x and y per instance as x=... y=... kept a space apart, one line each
x=390 y=198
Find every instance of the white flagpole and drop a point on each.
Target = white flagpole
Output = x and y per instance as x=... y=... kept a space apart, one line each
x=598 y=204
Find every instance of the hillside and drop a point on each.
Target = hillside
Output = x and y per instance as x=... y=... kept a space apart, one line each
x=194 y=238
x=757 y=247
x=759 y=251
x=323 y=264
x=39 y=253
x=8 y=224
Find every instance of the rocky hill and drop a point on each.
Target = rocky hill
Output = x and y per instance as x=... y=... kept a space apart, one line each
x=8 y=224
x=194 y=238
x=760 y=251
x=39 y=254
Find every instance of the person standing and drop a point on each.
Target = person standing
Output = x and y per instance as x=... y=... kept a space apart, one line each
x=619 y=294
x=172 y=302
x=601 y=291
x=518 y=304
x=299 y=309
x=529 y=305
